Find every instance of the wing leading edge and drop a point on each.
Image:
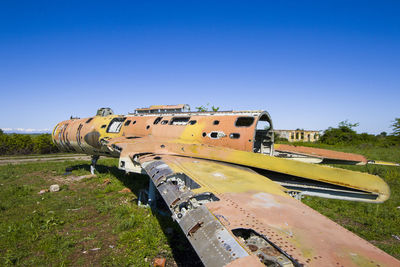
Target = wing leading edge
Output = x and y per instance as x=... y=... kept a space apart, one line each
x=311 y=179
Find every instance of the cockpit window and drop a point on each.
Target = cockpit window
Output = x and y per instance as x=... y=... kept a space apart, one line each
x=179 y=120
x=263 y=125
x=115 y=125
x=156 y=121
x=244 y=121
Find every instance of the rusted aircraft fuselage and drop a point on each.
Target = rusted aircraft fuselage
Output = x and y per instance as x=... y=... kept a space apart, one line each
x=247 y=131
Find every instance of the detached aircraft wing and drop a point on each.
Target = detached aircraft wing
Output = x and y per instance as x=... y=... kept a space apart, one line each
x=232 y=215
x=319 y=155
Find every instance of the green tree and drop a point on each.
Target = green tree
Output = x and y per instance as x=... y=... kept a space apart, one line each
x=382 y=134
x=215 y=109
x=204 y=108
x=43 y=144
x=4 y=144
x=344 y=133
x=346 y=125
x=20 y=144
x=201 y=109
x=396 y=126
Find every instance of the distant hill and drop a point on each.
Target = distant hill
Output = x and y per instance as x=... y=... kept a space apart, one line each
x=25 y=131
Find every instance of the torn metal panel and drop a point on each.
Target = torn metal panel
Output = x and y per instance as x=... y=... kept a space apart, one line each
x=212 y=242
x=299 y=233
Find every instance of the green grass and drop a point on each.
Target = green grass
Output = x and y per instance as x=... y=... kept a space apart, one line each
x=62 y=228
x=57 y=228
x=377 y=223
x=53 y=155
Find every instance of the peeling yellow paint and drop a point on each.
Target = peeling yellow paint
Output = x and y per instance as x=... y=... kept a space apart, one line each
x=342 y=177
x=221 y=178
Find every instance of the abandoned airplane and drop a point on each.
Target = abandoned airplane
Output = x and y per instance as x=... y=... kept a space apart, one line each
x=234 y=194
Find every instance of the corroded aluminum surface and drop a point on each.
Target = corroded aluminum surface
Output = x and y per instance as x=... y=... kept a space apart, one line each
x=94 y=130
x=336 y=176
x=253 y=202
x=305 y=235
x=214 y=244
x=321 y=153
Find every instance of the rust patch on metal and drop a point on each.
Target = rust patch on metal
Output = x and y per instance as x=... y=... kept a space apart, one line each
x=302 y=233
x=319 y=152
x=175 y=201
x=195 y=228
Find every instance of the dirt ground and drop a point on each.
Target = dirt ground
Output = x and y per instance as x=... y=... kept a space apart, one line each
x=17 y=160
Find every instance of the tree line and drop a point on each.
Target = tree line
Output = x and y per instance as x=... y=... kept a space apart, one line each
x=21 y=144
x=344 y=134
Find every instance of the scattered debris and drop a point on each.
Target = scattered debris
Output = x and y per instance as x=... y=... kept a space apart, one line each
x=54 y=188
x=74 y=209
x=106 y=181
x=111 y=246
x=72 y=178
x=43 y=191
x=398 y=207
x=159 y=262
x=84 y=252
x=396 y=237
x=95 y=249
x=125 y=190
x=78 y=178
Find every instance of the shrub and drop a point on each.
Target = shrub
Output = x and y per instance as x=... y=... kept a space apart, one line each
x=21 y=144
x=344 y=134
x=44 y=145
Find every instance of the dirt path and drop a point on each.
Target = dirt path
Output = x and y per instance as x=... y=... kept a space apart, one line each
x=5 y=161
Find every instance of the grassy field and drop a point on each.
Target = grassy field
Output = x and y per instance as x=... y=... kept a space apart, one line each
x=89 y=222
x=377 y=223
x=53 y=155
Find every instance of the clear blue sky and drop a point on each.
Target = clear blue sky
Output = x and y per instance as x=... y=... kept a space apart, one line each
x=311 y=64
